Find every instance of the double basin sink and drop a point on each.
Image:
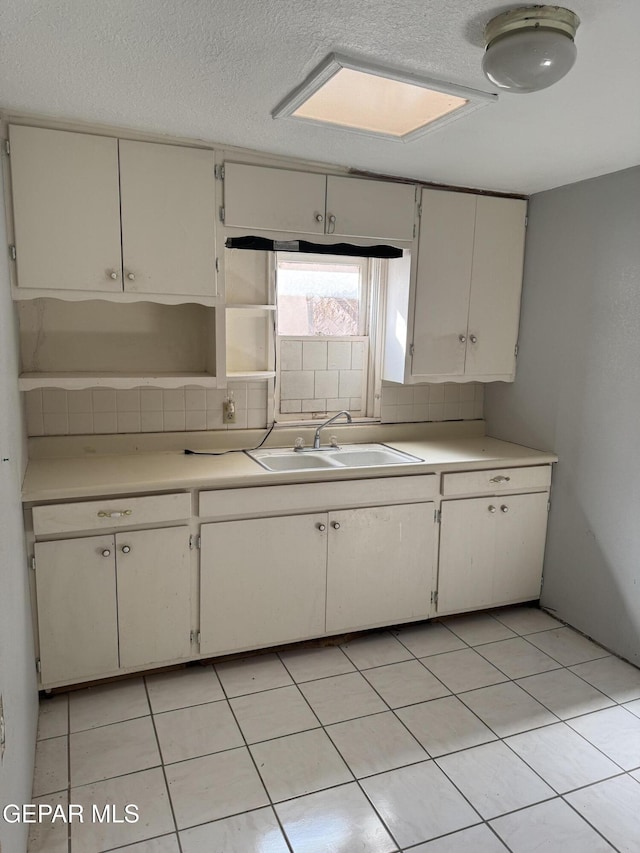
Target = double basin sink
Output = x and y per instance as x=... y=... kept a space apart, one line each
x=347 y=456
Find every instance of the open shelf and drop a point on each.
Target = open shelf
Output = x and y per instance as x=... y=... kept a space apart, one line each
x=97 y=343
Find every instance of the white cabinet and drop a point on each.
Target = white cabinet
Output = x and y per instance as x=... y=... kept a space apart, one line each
x=465 y=292
x=491 y=551
x=380 y=566
x=295 y=202
x=262 y=582
x=267 y=581
x=103 y=215
x=77 y=611
x=112 y=602
x=66 y=210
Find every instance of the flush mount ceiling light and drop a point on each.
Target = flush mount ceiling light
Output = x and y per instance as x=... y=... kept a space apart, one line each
x=377 y=101
x=530 y=48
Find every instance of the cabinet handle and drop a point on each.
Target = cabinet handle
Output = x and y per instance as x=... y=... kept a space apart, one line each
x=322 y=527
x=106 y=553
x=462 y=338
x=131 y=276
x=504 y=508
x=332 y=224
x=126 y=549
x=491 y=508
x=500 y=478
x=114 y=275
x=115 y=513
x=319 y=217
x=335 y=525
x=473 y=339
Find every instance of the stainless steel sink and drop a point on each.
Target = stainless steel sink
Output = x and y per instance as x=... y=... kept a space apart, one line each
x=348 y=456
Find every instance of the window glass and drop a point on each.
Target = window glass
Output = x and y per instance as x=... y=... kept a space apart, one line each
x=321 y=296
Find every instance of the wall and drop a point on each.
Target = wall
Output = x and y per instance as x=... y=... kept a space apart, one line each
x=577 y=392
x=17 y=670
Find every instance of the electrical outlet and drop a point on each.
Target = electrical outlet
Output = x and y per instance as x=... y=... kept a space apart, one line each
x=229 y=412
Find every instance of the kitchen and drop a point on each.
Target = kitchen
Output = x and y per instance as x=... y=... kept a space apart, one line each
x=574 y=393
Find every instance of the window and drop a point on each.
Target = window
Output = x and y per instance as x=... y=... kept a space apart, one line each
x=326 y=333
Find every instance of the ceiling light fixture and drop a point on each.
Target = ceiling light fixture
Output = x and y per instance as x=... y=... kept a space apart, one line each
x=377 y=101
x=530 y=48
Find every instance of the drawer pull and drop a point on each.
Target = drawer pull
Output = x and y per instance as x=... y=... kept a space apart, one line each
x=115 y=513
x=504 y=508
x=500 y=479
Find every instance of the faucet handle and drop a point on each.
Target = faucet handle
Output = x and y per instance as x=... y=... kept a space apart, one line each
x=299 y=443
x=333 y=441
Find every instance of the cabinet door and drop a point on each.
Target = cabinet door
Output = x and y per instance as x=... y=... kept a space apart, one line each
x=377 y=209
x=154 y=601
x=262 y=582
x=168 y=219
x=522 y=530
x=77 y=619
x=380 y=566
x=274 y=199
x=496 y=284
x=491 y=551
x=467 y=554
x=66 y=209
x=443 y=283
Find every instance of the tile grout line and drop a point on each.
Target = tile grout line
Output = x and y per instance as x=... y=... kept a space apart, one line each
x=164 y=772
x=255 y=764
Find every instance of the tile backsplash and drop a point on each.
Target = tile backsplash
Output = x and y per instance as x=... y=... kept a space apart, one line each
x=447 y=401
x=51 y=411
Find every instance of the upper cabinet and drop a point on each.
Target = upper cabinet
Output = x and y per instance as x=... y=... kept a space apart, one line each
x=66 y=210
x=465 y=291
x=293 y=202
x=103 y=215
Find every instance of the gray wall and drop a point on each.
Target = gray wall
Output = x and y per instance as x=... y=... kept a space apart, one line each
x=577 y=392
x=17 y=672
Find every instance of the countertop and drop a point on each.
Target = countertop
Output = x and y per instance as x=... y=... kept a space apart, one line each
x=70 y=477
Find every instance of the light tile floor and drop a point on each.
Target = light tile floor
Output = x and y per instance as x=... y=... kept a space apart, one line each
x=481 y=733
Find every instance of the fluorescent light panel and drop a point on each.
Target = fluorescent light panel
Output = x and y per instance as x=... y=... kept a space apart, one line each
x=377 y=101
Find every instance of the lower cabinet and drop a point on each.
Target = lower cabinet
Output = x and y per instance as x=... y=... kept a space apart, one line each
x=276 y=580
x=262 y=582
x=491 y=551
x=113 y=601
x=379 y=566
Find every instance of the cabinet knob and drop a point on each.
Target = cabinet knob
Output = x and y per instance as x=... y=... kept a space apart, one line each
x=319 y=217
x=332 y=223
x=126 y=549
x=491 y=508
x=473 y=339
x=504 y=508
x=113 y=274
x=106 y=553
x=335 y=525
x=131 y=276
x=322 y=527
x=462 y=338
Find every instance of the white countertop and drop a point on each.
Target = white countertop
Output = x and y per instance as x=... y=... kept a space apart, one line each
x=70 y=477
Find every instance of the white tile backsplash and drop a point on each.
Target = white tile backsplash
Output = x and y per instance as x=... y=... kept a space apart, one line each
x=446 y=401
x=104 y=410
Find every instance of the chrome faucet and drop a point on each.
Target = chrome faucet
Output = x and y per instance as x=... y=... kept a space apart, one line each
x=316 y=437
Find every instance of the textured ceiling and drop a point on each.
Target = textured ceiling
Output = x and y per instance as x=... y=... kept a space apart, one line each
x=214 y=70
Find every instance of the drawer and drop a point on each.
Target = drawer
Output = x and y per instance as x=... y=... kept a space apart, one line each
x=317 y=497
x=112 y=513
x=497 y=480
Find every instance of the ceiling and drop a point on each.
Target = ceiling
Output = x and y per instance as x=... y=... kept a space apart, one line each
x=214 y=70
